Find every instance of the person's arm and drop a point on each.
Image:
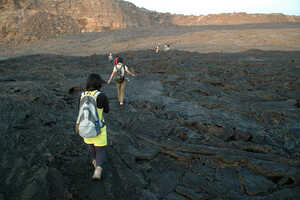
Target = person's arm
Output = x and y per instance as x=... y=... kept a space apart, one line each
x=111 y=76
x=76 y=128
x=102 y=102
x=129 y=72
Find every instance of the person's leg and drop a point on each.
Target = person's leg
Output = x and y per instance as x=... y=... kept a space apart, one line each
x=100 y=158
x=118 y=90
x=93 y=153
x=122 y=92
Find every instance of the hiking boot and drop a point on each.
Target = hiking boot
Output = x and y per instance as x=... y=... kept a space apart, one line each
x=97 y=173
x=94 y=163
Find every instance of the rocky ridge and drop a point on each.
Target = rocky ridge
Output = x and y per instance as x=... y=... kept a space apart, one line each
x=30 y=20
x=232 y=18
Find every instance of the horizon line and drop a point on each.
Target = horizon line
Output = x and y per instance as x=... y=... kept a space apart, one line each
x=234 y=12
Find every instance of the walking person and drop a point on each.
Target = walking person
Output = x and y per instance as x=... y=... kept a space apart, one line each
x=119 y=73
x=110 y=58
x=90 y=123
x=157 y=49
x=167 y=47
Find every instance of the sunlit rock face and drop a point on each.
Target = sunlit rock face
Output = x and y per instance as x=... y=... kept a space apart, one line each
x=35 y=19
x=29 y=20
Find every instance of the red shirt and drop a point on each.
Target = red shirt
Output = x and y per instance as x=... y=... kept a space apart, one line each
x=115 y=61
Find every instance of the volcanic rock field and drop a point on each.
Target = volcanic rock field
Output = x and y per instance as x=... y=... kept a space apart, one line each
x=195 y=125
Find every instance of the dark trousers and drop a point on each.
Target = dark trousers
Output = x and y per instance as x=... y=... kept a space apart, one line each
x=98 y=154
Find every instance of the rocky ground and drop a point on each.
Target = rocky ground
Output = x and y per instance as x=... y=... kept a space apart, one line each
x=194 y=126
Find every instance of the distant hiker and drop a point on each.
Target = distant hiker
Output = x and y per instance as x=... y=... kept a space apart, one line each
x=110 y=58
x=167 y=47
x=90 y=123
x=157 y=49
x=119 y=72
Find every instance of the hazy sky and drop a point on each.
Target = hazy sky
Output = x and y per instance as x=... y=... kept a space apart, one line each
x=198 y=7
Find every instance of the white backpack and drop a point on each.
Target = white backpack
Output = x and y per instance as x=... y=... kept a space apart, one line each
x=89 y=123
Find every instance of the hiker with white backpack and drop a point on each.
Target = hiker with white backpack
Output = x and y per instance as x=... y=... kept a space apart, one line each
x=90 y=124
x=119 y=77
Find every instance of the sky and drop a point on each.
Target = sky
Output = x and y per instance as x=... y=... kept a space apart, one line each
x=204 y=7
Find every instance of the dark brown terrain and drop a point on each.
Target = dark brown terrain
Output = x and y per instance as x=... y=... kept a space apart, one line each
x=215 y=117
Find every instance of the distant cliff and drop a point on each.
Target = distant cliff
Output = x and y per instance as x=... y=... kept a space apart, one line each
x=29 y=20
x=232 y=18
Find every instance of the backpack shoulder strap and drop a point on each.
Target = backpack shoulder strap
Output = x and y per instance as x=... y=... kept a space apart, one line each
x=97 y=93
x=121 y=65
